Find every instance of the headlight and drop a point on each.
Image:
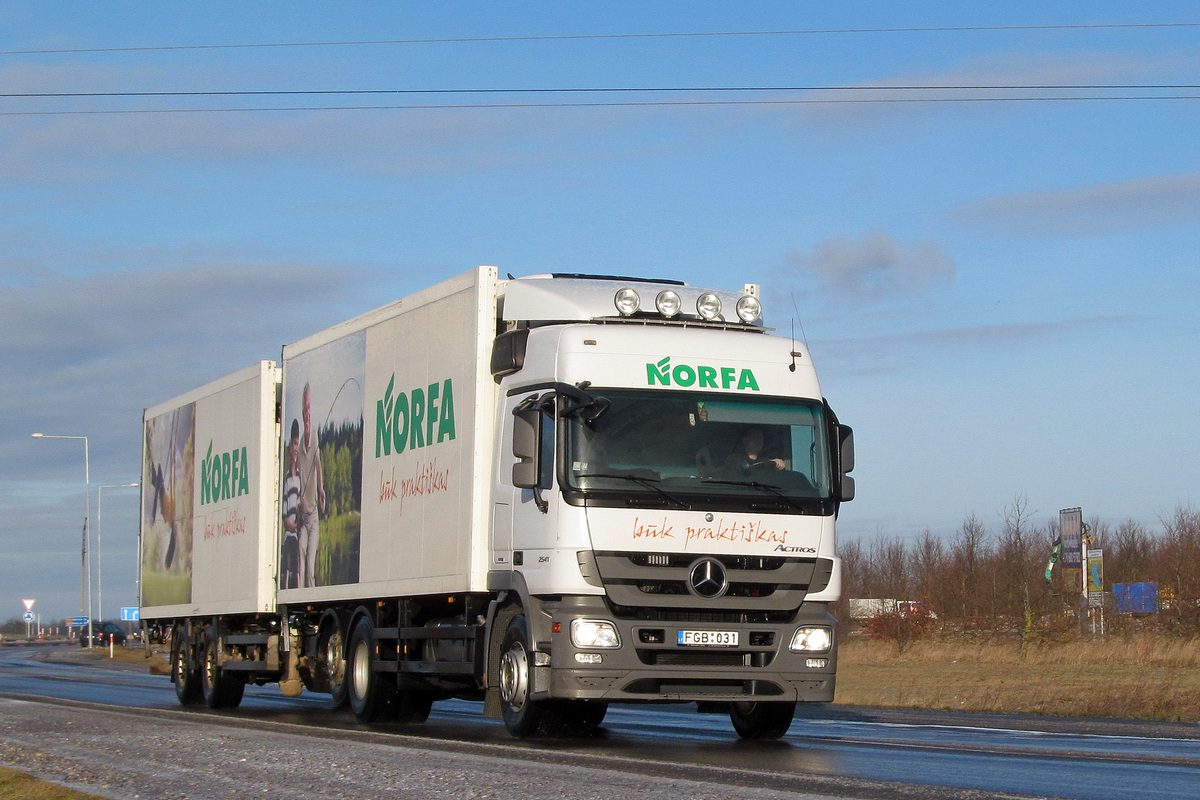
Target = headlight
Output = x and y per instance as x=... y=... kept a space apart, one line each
x=594 y=633
x=812 y=640
x=708 y=306
x=627 y=302
x=749 y=308
x=667 y=303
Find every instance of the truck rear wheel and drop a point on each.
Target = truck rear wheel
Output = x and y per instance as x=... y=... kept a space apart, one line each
x=372 y=694
x=522 y=716
x=761 y=720
x=221 y=689
x=184 y=673
x=331 y=660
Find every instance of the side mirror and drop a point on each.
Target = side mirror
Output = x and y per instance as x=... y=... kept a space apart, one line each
x=847 y=493
x=526 y=444
x=846 y=447
x=508 y=352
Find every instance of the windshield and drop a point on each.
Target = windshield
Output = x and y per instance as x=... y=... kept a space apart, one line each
x=692 y=449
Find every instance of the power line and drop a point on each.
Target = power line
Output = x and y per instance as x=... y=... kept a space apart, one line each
x=656 y=103
x=603 y=36
x=617 y=90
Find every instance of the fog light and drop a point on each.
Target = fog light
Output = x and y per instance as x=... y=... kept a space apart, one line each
x=812 y=640
x=627 y=302
x=589 y=658
x=667 y=303
x=749 y=309
x=594 y=633
x=708 y=306
x=816 y=663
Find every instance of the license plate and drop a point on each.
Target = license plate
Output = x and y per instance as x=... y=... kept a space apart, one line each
x=709 y=638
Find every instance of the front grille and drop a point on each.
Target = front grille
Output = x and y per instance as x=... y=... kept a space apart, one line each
x=690 y=615
x=757 y=585
x=692 y=687
x=705 y=658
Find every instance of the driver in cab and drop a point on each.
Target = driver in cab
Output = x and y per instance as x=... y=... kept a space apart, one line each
x=749 y=453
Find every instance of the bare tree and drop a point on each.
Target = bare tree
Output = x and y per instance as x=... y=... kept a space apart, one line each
x=1015 y=548
x=969 y=552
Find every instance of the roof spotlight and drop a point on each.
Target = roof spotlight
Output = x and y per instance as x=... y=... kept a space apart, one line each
x=667 y=303
x=627 y=302
x=708 y=306
x=749 y=308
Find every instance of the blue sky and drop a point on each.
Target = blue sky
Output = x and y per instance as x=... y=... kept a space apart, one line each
x=999 y=293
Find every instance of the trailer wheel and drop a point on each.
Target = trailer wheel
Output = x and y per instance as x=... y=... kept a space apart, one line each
x=184 y=673
x=522 y=716
x=331 y=661
x=761 y=720
x=221 y=689
x=372 y=694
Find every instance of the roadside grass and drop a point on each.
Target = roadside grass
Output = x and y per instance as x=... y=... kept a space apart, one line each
x=136 y=654
x=1122 y=677
x=15 y=785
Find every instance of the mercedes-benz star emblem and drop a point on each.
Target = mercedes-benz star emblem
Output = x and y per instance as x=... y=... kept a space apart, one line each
x=707 y=578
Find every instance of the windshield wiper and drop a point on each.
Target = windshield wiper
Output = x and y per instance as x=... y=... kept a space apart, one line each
x=766 y=487
x=649 y=483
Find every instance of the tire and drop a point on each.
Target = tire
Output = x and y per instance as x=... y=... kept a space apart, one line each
x=331 y=661
x=761 y=720
x=412 y=707
x=184 y=673
x=578 y=717
x=220 y=689
x=372 y=694
x=522 y=716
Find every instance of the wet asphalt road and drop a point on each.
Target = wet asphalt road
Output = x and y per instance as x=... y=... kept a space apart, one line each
x=139 y=743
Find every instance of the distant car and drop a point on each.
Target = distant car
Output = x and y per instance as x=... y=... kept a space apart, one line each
x=102 y=634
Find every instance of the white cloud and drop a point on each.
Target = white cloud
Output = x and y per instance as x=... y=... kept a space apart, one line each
x=1095 y=209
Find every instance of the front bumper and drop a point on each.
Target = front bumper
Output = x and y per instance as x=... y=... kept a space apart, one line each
x=652 y=666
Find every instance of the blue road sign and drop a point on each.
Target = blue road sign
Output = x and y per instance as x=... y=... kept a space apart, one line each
x=29 y=616
x=131 y=614
x=77 y=622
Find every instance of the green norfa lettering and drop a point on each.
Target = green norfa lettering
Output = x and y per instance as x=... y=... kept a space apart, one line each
x=409 y=420
x=224 y=476
x=704 y=377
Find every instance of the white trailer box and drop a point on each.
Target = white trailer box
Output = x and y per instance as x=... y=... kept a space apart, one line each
x=210 y=462
x=393 y=412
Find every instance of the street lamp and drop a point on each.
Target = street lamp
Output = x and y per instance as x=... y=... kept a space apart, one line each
x=85 y=577
x=99 y=533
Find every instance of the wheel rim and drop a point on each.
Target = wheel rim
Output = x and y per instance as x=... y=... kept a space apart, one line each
x=335 y=665
x=514 y=676
x=210 y=668
x=179 y=663
x=361 y=670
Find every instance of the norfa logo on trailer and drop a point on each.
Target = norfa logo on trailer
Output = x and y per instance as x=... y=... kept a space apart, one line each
x=414 y=419
x=224 y=475
x=700 y=376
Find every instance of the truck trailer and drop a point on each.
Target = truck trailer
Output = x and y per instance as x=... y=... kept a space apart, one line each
x=547 y=493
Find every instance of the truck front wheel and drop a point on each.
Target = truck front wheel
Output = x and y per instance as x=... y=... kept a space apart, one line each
x=372 y=693
x=761 y=720
x=522 y=716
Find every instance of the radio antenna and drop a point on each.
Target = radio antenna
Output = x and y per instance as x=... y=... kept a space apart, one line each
x=796 y=319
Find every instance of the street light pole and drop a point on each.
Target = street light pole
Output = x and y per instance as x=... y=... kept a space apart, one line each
x=85 y=581
x=99 y=533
